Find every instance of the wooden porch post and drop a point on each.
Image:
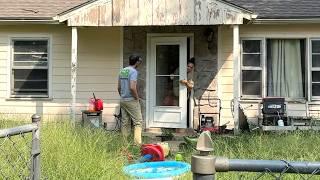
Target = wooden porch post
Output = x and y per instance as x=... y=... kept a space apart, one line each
x=74 y=66
x=236 y=77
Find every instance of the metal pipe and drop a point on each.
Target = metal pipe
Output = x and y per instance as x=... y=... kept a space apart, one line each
x=276 y=166
x=35 y=151
x=17 y=130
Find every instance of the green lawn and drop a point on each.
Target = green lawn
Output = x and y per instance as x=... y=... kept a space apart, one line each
x=69 y=152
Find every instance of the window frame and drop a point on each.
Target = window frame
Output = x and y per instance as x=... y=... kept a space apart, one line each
x=311 y=69
x=261 y=68
x=264 y=93
x=48 y=68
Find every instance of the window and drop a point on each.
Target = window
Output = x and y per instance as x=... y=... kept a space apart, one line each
x=251 y=68
x=284 y=67
x=29 y=68
x=315 y=68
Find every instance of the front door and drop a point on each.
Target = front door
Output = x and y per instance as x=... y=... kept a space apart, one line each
x=168 y=98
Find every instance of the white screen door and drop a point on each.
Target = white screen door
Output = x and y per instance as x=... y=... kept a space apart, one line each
x=168 y=98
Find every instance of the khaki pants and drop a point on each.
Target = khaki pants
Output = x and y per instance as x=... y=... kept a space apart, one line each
x=130 y=110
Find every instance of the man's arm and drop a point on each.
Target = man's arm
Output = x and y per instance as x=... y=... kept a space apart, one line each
x=133 y=89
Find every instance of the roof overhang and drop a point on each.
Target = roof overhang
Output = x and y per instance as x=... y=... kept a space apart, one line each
x=305 y=20
x=26 y=20
x=154 y=13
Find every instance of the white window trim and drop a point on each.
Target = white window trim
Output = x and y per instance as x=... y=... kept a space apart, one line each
x=311 y=69
x=262 y=64
x=264 y=67
x=10 y=65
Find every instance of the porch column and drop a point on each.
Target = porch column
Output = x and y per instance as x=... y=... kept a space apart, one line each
x=236 y=77
x=74 y=66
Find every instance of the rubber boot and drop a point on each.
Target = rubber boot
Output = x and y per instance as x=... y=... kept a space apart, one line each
x=137 y=135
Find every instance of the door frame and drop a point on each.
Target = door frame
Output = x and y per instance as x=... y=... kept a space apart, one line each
x=148 y=63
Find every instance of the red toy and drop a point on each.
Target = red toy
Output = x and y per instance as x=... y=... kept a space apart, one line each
x=154 y=151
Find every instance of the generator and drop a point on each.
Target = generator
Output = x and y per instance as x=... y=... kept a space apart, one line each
x=209 y=113
x=273 y=109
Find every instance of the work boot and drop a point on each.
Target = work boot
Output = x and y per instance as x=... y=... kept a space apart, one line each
x=137 y=135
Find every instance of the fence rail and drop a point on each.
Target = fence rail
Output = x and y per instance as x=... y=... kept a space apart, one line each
x=13 y=154
x=205 y=166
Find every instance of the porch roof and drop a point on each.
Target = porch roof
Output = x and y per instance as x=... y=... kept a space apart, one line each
x=160 y=12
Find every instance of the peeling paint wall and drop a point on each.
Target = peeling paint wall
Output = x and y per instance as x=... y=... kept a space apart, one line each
x=135 y=41
x=159 y=12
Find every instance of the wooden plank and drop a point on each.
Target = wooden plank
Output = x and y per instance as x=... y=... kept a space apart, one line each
x=200 y=13
x=118 y=18
x=145 y=12
x=187 y=15
x=105 y=14
x=159 y=12
x=131 y=12
x=172 y=12
x=215 y=13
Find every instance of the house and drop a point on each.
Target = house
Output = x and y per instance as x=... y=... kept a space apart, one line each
x=54 y=54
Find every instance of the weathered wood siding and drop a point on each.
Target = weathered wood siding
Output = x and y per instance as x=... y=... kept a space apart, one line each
x=154 y=12
x=225 y=67
x=98 y=66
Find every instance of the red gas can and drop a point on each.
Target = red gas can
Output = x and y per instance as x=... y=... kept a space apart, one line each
x=98 y=105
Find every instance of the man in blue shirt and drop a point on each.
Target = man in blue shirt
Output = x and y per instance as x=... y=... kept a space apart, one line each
x=129 y=102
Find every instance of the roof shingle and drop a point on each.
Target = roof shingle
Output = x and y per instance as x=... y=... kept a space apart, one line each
x=35 y=8
x=281 y=9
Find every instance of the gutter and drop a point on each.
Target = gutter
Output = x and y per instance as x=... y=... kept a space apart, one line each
x=23 y=20
x=287 y=21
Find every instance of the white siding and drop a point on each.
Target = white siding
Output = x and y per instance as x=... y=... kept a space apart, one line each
x=225 y=83
x=98 y=60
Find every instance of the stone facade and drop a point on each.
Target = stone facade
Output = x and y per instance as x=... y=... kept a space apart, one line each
x=205 y=53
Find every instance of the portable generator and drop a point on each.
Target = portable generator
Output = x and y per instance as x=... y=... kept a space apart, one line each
x=273 y=109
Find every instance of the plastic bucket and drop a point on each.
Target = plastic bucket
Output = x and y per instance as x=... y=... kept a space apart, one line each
x=280 y=123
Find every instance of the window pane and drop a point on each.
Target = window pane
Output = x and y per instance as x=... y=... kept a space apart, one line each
x=251 y=60
x=251 y=46
x=30 y=46
x=30 y=57
x=167 y=91
x=30 y=60
x=315 y=76
x=315 y=46
x=251 y=75
x=315 y=60
x=30 y=74
x=30 y=85
x=167 y=59
x=315 y=89
x=251 y=88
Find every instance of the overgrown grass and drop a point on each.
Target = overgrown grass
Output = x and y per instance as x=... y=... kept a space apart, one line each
x=74 y=152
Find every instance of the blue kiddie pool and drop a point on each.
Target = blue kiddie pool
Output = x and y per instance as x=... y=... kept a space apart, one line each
x=157 y=170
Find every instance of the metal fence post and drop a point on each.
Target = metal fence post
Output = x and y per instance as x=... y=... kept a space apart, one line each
x=35 y=151
x=203 y=164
